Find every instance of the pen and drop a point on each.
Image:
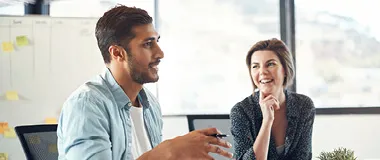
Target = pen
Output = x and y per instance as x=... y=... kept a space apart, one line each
x=219 y=135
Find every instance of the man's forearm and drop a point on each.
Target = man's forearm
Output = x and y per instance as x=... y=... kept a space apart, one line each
x=159 y=152
x=146 y=156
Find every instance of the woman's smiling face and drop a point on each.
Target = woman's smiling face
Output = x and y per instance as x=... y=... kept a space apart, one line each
x=267 y=72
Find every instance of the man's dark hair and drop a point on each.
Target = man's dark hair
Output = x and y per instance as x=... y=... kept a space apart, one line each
x=115 y=27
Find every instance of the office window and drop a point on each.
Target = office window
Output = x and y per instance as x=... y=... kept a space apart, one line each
x=12 y=8
x=205 y=44
x=338 y=52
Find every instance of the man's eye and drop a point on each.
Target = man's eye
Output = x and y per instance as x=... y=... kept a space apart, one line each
x=271 y=64
x=148 y=44
x=254 y=66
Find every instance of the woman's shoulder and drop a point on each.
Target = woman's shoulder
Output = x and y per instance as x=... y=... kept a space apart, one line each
x=302 y=101
x=299 y=98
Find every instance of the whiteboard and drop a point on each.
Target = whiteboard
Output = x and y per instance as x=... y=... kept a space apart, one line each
x=60 y=55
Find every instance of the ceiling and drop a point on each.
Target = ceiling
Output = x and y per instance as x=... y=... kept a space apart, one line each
x=14 y=2
x=4 y=3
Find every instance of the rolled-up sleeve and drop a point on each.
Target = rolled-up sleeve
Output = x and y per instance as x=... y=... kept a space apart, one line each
x=83 y=130
x=240 y=130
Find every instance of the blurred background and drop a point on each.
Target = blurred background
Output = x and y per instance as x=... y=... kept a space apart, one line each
x=335 y=44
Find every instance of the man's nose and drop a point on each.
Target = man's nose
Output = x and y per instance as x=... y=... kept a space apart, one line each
x=159 y=53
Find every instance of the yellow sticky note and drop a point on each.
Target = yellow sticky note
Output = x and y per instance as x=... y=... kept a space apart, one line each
x=7 y=47
x=11 y=95
x=9 y=133
x=53 y=148
x=34 y=140
x=51 y=121
x=22 y=41
x=1 y=130
x=3 y=156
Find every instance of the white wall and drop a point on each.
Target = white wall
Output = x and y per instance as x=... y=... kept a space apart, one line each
x=360 y=133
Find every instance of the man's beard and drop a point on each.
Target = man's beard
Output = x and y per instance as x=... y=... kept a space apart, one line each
x=139 y=76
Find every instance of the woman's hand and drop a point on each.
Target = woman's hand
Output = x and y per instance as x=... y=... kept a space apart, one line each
x=268 y=105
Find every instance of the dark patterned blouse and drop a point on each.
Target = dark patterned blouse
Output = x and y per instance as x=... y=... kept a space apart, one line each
x=246 y=119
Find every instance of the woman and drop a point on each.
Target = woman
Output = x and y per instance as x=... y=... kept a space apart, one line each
x=272 y=123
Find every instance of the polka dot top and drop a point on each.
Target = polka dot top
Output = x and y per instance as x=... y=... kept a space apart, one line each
x=246 y=119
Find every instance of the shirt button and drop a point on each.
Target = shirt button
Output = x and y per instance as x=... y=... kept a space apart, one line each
x=129 y=104
x=129 y=144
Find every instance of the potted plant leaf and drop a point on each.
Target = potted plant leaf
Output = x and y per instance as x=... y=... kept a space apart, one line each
x=338 y=154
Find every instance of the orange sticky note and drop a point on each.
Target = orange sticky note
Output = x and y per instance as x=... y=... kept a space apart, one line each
x=12 y=95
x=9 y=133
x=3 y=127
x=51 y=121
x=3 y=156
x=7 y=47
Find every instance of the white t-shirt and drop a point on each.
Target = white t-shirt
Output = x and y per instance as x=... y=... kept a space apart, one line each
x=140 y=140
x=280 y=149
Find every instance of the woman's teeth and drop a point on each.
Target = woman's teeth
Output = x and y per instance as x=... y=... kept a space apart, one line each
x=266 y=81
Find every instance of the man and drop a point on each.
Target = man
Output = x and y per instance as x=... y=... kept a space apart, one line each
x=113 y=116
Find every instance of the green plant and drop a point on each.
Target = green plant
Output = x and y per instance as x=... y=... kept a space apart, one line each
x=338 y=154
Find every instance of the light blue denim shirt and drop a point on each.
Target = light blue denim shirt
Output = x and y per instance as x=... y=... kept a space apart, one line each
x=95 y=122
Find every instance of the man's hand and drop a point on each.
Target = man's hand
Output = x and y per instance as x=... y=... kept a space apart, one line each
x=194 y=145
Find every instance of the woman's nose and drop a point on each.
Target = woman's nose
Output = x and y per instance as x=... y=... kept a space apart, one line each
x=263 y=70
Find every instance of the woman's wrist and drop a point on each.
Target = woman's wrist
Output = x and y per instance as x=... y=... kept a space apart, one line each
x=267 y=122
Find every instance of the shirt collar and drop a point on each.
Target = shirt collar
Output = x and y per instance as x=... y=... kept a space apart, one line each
x=121 y=98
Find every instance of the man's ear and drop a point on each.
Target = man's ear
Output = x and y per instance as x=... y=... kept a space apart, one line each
x=117 y=53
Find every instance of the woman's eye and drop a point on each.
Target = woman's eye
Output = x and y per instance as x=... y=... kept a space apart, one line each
x=271 y=64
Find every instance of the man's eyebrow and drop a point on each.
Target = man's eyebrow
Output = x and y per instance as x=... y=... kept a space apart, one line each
x=152 y=38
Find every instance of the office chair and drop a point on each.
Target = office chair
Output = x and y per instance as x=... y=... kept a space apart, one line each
x=221 y=122
x=39 y=142
x=194 y=120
